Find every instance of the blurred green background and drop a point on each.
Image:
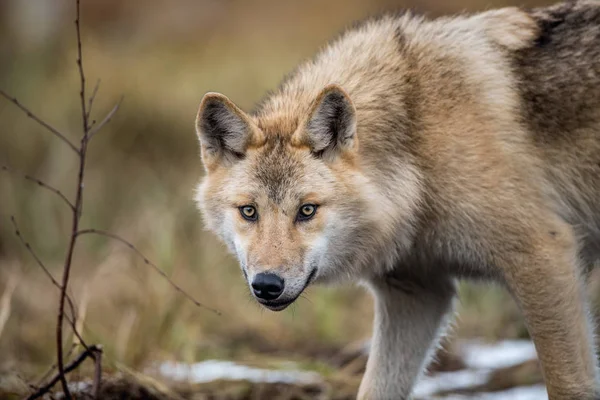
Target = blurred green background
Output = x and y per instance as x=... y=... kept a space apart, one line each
x=162 y=56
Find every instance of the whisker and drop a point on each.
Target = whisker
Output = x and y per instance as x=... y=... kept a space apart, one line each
x=302 y=296
x=292 y=309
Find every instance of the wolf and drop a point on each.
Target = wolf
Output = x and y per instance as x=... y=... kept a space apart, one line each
x=410 y=153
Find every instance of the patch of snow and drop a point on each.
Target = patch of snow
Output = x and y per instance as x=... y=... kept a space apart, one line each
x=76 y=387
x=534 y=392
x=503 y=354
x=480 y=358
x=445 y=381
x=211 y=370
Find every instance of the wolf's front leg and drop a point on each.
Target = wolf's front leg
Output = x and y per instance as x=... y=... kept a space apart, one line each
x=545 y=280
x=410 y=315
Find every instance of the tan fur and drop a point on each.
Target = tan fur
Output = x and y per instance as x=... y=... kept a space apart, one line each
x=435 y=150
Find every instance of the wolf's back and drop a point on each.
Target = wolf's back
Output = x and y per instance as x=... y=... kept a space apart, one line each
x=559 y=76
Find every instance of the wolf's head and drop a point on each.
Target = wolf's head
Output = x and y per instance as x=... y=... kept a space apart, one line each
x=287 y=197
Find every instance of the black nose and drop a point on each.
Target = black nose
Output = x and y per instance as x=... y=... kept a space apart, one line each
x=267 y=286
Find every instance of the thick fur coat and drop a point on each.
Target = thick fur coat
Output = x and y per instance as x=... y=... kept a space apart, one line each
x=411 y=152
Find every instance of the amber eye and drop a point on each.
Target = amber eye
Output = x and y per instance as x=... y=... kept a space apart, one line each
x=307 y=211
x=249 y=213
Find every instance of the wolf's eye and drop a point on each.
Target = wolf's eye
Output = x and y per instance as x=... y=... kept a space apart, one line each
x=249 y=213
x=307 y=211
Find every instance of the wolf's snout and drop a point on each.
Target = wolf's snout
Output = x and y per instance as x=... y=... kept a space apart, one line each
x=267 y=286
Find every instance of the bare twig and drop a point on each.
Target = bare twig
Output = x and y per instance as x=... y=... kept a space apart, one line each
x=71 y=320
x=76 y=212
x=40 y=183
x=31 y=115
x=39 y=262
x=30 y=250
x=84 y=113
x=91 y=351
x=148 y=262
x=97 y=373
x=92 y=98
x=52 y=368
x=65 y=277
x=106 y=119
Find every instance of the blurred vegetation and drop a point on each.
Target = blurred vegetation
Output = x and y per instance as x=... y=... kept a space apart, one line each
x=162 y=56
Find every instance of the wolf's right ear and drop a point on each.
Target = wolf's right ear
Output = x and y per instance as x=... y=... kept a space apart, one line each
x=224 y=130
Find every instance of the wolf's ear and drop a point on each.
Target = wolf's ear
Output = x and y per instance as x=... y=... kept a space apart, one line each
x=224 y=130
x=330 y=127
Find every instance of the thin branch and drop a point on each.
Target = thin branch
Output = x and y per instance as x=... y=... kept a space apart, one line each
x=106 y=119
x=40 y=183
x=76 y=214
x=31 y=115
x=92 y=98
x=30 y=386
x=97 y=374
x=91 y=351
x=84 y=113
x=146 y=261
x=52 y=368
x=37 y=259
x=73 y=320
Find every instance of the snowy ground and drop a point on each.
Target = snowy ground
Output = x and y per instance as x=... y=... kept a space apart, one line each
x=480 y=360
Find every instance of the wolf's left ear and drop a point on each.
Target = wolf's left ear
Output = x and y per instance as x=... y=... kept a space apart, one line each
x=330 y=127
x=224 y=130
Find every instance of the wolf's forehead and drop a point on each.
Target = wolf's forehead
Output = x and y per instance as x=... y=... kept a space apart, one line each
x=278 y=170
